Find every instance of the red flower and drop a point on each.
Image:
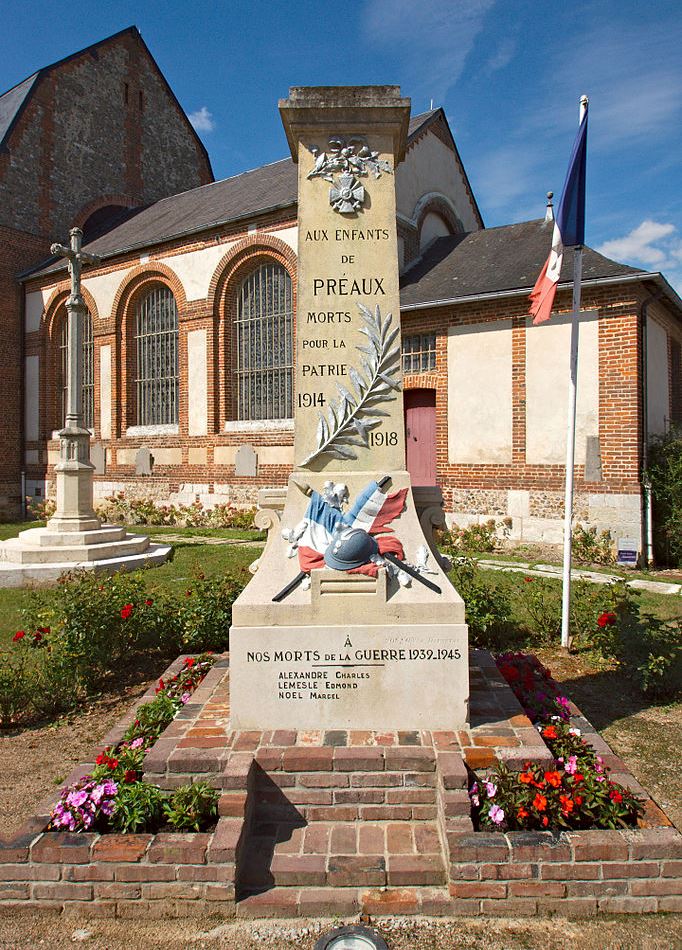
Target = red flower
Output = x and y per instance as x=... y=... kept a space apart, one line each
x=553 y=778
x=19 y=635
x=539 y=802
x=526 y=778
x=545 y=821
x=578 y=799
x=148 y=603
x=190 y=661
x=521 y=813
x=579 y=777
x=549 y=732
x=101 y=758
x=130 y=775
x=607 y=619
x=37 y=636
x=160 y=687
x=43 y=629
x=567 y=804
x=528 y=580
x=615 y=796
x=126 y=611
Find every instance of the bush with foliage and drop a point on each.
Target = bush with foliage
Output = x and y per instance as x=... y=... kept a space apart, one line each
x=191 y=807
x=591 y=548
x=664 y=473
x=120 y=509
x=114 y=797
x=571 y=795
x=488 y=609
x=476 y=539
x=650 y=651
x=73 y=643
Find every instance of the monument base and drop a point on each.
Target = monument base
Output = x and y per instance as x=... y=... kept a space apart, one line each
x=404 y=677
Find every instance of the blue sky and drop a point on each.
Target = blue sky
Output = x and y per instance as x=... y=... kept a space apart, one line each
x=509 y=74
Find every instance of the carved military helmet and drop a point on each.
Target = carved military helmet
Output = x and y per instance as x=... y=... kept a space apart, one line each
x=351 y=549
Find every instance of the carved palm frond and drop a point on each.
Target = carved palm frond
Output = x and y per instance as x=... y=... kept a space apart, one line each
x=348 y=420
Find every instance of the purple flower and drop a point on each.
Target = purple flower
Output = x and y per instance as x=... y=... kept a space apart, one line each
x=136 y=743
x=497 y=814
x=571 y=766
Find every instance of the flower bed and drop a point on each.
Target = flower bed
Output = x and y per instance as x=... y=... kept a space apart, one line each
x=576 y=794
x=114 y=799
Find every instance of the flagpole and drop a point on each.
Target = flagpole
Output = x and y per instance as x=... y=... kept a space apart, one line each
x=570 y=434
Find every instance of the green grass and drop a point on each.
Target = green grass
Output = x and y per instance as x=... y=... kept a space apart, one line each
x=233 y=534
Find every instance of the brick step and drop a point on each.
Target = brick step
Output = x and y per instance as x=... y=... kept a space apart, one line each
x=345 y=902
x=340 y=854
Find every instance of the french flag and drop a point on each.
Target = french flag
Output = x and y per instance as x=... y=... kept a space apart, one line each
x=372 y=511
x=569 y=228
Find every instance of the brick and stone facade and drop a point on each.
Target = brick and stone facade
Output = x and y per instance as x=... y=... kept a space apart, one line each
x=98 y=131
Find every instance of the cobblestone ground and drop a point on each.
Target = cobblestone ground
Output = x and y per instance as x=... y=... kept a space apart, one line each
x=648 y=932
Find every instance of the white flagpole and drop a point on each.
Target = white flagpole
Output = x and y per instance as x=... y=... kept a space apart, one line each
x=570 y=434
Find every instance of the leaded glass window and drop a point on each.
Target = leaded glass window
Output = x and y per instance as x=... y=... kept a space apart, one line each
x=156 y=346
x=87 y=369
x=264 y=345
x=419 y=353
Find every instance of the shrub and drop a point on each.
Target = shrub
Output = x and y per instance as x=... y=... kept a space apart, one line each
x=192 y=807
x=138 y=807
x=206 y=612
x=592 y=548
x=564 y=797
x=476 y=539
x=487 y=607
x=650 y=651
x=40 y=509
x=144 y=511
x=664 y=473
x=539 y=607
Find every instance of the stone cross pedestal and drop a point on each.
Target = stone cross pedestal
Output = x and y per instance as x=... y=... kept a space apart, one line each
x=74 y=537
x=332 y=632
x=74 y=471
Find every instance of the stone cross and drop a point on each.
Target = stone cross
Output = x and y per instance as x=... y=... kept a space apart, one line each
x=74 y=469
x=75 y=310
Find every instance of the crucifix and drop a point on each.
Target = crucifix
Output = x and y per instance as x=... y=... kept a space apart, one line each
x=74 y=470
x=75 y=310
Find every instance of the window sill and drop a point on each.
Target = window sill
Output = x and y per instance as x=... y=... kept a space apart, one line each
x=134 y=432
x=259 y=425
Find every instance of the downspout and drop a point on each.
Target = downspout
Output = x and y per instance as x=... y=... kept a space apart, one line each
x=647 y=505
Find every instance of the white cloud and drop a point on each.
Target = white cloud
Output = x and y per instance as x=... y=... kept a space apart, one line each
x=651 y=244
x=202 y=120
x=504 y=54
x=432 y=38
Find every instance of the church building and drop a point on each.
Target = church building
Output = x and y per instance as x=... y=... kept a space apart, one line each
x=189 y=341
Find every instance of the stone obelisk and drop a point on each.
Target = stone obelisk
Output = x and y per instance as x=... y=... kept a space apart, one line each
x=341 y=648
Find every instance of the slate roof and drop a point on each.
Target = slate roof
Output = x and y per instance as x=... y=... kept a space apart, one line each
x=492 y=261
x=246 y=195
x=11 y=104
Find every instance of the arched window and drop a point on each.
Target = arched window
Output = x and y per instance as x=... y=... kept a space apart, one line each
x=264 y=345
x=88 y=370
x=156 y=351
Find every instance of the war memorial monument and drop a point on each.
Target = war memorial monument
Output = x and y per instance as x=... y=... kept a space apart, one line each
x=350 y=621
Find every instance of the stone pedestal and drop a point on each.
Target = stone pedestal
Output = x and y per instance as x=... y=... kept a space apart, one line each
x=348 y=651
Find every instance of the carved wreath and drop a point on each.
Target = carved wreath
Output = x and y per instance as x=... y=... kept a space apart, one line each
x=349 y=419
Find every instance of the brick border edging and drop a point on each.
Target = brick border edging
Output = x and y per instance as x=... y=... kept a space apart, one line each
x=115 y=875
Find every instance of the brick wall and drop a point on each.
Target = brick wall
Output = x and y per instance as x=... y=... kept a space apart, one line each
x=100 y=128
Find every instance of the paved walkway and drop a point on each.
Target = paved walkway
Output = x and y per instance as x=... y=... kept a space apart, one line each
x=596 y=577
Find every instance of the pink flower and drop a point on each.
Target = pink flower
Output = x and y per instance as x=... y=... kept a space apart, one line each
x=490 y=788
x=497 y=814
x=571 y=766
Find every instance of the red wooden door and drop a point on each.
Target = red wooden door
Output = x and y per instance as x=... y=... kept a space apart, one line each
x=420 y=435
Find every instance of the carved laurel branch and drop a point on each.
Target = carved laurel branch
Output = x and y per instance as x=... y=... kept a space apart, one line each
x=350 y=419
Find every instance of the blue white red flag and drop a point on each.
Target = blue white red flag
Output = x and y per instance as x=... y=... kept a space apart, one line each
x=569 y=228
x=372 y=511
